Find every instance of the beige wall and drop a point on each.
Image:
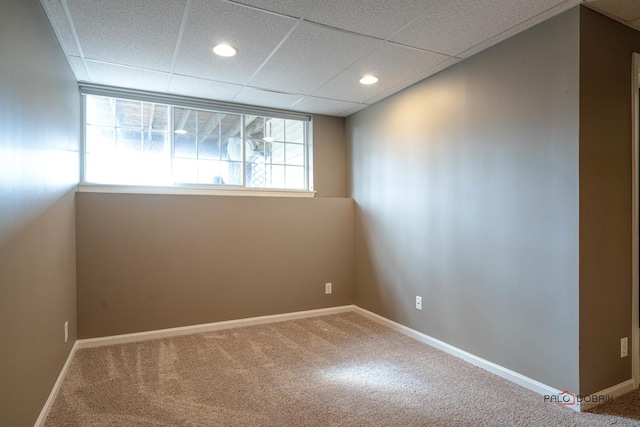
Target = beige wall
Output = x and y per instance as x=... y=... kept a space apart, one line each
x=329 y=151
x=39 y=137
x=605 y=199
x=466 y=191
x=149 y=262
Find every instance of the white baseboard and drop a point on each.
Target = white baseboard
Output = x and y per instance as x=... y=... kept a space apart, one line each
x=207 y=327
x=614 y=391
x=56 y=388
x=501 y=371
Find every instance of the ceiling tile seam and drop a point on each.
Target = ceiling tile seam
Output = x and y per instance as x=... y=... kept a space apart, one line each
x=183 y=24
x=348 y=67
x=341 y=30
x=277 y=92
x=131 y=67
x=402 y=84
x=259 y=9
x=352 y=65
x=76 y=39
x=408 y=24
x=565 y=5
x=419 y=49
x=200 y=78
x=278 y=46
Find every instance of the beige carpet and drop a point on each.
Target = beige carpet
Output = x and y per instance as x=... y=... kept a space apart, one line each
x=338 y=370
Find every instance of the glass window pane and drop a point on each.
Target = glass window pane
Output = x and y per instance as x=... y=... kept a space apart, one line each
x=294 y=177
x=230 y=125
x=208 y=123
x=209 y=147
x=254 y=127
x=233 y=147
x=100 y=110
x=185 y=145
x=232 y=172
x=100 y=139
x=154 y=169
x=275 y=175
x=256 y=173
x=274 y=128
x=274 y=152
x=184 y=121
x=156 y=142
x=128 y=114
x=294 y=131
x=155 y=116
x=211 y=172
x=185 y=171
x=295 y=154
x=128 y=141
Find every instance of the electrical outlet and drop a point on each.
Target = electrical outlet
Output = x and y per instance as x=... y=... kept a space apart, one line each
x=418 y=303
x=66 y=331
x=624 y=347
x=327 y=288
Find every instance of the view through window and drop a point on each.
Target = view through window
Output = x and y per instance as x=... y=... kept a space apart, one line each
x=130 y=142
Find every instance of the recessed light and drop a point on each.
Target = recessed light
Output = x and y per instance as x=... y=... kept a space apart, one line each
x=369 y=79
x=224 y=50
x=180 y=132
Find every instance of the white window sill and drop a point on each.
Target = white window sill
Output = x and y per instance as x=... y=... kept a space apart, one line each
x=187 y=190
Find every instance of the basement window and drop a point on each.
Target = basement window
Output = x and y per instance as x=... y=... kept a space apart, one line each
x=174 y=143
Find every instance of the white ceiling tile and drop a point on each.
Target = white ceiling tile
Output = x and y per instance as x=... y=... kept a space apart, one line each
x=139 y=33
x=330 y=107
x=392 y=63
x=628 y=10
x=61 y=26
x=213 y=22
x=264 y=98
x=413 y=79
x=453 y=26
x=134 y=78
x=528 y=23
x=311 y=56
x=202 y=88
x=78 y=68
x=286 y=7
x=380 y=18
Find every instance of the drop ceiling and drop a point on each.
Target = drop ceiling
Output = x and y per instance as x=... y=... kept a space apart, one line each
x=301 y=55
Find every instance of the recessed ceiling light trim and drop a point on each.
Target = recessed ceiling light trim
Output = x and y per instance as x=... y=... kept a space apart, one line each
x=225 y=50
x=369 y=79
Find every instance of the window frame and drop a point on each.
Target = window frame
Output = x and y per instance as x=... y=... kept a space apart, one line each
x=176 y=101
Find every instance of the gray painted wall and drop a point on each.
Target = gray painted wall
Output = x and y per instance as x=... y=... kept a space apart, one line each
x=149 y=262
x=39 y=137
x=466 y=191
x=605 y=199
x=329 y=156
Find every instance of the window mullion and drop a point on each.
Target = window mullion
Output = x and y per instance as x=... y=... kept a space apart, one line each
x=172 y=135
x=244 y=153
